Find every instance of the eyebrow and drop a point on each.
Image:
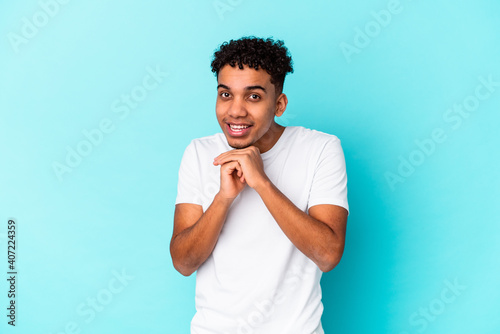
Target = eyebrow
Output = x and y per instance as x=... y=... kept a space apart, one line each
x=246 y=88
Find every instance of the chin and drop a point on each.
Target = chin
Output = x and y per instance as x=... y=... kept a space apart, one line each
x=237 y=144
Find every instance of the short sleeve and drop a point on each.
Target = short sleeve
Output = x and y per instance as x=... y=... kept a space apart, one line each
x=329 y=185
x=189 y=183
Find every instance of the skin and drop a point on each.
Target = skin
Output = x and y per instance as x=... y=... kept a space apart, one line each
x=248 y=97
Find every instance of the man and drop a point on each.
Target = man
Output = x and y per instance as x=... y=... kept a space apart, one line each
x=261 y=209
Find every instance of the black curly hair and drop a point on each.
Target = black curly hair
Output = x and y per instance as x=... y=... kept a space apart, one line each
x=272 y=56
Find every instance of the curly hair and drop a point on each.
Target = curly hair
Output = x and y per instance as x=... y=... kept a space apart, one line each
x=272 y=56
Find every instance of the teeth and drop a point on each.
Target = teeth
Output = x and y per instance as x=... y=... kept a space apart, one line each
x=238 y=127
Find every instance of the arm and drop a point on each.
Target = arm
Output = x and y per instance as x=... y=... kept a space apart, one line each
x=196 y=232
x=320 y=235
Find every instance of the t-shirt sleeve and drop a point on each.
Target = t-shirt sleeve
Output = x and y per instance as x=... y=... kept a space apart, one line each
x=329 y=184
x=189 y=183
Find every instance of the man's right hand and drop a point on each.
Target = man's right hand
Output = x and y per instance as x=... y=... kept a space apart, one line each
x=231 y=180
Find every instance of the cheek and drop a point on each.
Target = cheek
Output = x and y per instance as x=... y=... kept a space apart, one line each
x=218 y=112
x=266 y=116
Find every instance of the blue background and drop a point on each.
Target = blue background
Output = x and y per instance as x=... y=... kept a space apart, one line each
x=111 y=214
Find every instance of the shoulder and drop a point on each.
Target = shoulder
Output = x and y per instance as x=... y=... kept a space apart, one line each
x=307 y=136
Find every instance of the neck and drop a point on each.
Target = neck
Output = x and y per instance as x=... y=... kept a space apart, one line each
x=270 y=138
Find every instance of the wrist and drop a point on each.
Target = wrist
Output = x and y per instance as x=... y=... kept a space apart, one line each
x=263 y=185
x=224 y=200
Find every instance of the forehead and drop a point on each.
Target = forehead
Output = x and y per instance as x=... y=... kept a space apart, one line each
x=236 y=78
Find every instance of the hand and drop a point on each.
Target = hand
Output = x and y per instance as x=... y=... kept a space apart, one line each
x=231 y=180
x=249 y=166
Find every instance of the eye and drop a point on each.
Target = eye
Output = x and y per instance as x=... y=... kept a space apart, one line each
x=224 y=95
x=254 y=97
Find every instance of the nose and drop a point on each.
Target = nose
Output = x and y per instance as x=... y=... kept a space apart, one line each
x=237 y=108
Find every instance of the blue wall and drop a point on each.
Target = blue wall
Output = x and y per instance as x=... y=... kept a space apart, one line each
x=99 y=99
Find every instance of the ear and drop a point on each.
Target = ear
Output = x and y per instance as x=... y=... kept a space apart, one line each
x=281 y=103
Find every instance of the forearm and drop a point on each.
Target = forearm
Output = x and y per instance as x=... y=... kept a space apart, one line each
x=313 y=238
x=191 y=247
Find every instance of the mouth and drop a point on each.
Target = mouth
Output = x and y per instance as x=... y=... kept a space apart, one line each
x=237 y=130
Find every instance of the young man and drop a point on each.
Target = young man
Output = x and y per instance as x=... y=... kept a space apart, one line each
x=261 y=209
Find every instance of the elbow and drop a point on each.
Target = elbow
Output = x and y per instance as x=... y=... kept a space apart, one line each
x=184 y=271
x=182 y=268
x=327 y=265
x=181 y=261
x=330 y=260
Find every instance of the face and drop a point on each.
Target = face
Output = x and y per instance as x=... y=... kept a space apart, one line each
x=246 y=106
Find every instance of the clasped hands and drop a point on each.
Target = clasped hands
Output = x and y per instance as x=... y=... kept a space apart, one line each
x=240 y=167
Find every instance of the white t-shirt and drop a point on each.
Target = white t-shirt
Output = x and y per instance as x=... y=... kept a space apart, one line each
x=256 y=280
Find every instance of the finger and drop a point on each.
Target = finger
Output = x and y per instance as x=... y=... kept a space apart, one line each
x=225 y=157
x=224 y=154
x=235 y=167
x=241 y=158
x=231 y=155
x=230 y=167
x=225 y=160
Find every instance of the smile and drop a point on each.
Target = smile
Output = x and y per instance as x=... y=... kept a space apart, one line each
x=237 y=130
